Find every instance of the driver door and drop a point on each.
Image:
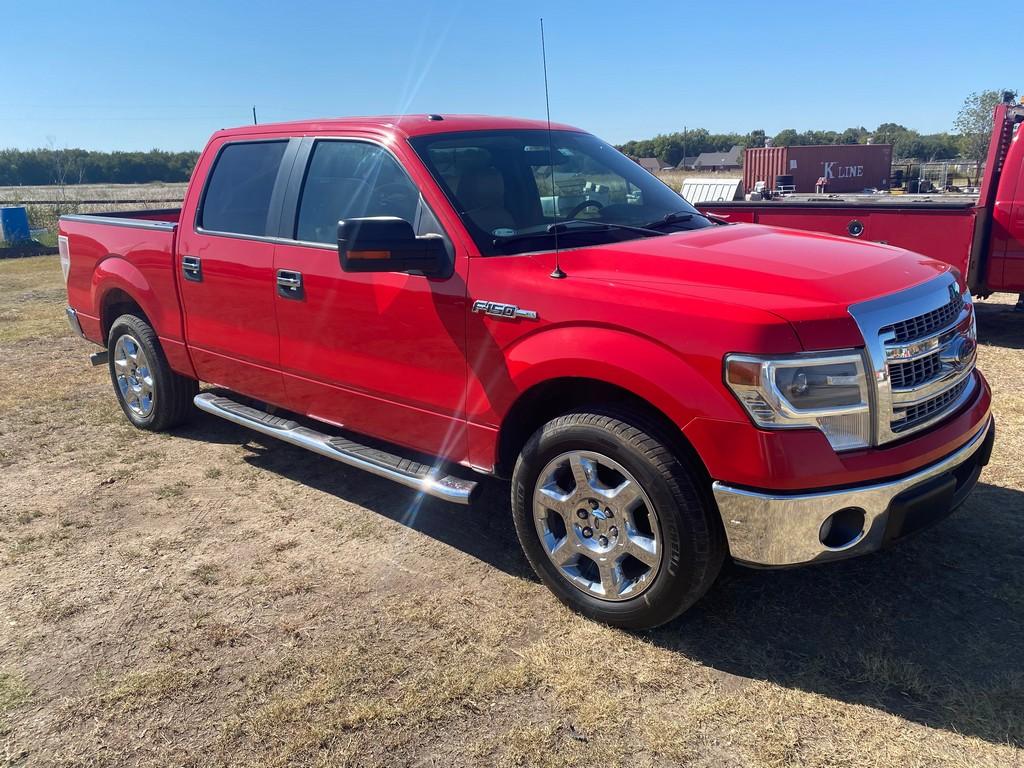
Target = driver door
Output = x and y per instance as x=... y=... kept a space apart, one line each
x=380 y=353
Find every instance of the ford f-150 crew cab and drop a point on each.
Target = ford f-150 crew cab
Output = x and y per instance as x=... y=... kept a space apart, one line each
x=424 y=297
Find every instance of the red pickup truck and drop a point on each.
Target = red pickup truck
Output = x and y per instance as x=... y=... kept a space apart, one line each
x=425 y=297
x=983 y=238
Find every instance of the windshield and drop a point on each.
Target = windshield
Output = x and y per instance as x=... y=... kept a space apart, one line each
x=501 y=184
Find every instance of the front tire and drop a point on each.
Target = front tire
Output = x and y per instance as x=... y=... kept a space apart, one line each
x=613 y=521
x=151 y=395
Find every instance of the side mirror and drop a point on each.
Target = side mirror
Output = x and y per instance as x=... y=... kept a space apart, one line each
x=388 y=244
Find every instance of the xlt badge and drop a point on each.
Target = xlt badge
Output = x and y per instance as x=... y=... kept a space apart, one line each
x=509 y=311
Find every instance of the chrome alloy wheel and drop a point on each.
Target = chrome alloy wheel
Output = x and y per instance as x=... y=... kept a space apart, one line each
x=597 y=525
x=134 y=376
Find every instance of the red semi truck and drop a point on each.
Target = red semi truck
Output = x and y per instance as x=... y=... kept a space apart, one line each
x=429 y=297
x=982 y=238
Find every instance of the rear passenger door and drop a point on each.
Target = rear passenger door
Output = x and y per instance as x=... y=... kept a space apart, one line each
x=226 y=268
x=380 y=353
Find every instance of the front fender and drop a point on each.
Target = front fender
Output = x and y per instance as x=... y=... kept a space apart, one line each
x=682 y=389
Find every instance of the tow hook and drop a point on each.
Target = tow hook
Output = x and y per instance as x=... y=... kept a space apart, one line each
x=99 y=358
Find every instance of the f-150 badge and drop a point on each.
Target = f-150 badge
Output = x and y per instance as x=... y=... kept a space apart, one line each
x=508 y=311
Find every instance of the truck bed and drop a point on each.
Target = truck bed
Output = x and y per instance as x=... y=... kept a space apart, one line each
x=158 y=217
x=117 y=255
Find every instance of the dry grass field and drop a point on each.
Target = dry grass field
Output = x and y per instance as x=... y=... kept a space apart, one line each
x=211 y=597
x=152 y=191
x=56 y=201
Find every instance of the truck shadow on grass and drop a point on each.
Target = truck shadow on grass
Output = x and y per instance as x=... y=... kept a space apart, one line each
x=488 y=536
x=999 y=325
x=931 y=631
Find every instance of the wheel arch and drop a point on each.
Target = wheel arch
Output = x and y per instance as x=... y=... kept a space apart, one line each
x=551 y=398
x=116 y=302
x=117 y=281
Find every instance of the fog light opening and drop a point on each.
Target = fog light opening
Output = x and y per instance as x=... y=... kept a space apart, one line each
x=842 y=529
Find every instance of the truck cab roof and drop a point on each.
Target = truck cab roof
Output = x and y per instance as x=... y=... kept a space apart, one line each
x=403 y=125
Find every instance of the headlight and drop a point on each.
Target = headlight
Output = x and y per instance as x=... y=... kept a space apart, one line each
x=823 y=391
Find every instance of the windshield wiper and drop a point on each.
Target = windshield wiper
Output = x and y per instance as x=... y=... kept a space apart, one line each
x=564 y=228
x=678 y=217
x=597 y=226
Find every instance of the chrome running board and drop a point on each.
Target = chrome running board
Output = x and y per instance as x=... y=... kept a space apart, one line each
x=411 y=474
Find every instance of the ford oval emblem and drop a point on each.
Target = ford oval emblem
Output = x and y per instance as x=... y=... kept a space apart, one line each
x=959 y=352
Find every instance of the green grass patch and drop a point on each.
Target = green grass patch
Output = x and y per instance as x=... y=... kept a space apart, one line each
x=13 y=693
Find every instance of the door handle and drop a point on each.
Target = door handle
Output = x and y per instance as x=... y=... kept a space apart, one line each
x=192 y=268
x=289 y=284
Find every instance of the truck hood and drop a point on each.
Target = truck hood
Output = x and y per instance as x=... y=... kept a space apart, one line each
x=807 y=278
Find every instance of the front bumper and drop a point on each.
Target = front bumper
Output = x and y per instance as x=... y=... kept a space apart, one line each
x=780 y=529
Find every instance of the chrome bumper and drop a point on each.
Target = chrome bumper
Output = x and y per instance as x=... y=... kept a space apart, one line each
x=779 y=529
x=73 y=321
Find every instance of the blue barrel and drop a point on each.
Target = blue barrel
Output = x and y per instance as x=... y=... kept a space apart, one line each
x=14 y=224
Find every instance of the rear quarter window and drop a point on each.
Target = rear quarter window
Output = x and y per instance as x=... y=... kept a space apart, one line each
x=237 y=196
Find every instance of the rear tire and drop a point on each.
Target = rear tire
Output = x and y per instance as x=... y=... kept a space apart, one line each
x=151 y=395
x=642 y=538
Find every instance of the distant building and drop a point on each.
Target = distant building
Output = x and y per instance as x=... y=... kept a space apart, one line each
x=651 y=164
x=687 y=163
x=719 y=161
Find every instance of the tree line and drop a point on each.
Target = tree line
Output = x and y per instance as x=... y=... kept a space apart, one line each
x=81 y=166
x=973 y=126
x=670 y=148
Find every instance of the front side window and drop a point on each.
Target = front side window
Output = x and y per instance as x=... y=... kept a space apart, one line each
x=511 y=186
x=237 y=197
x=352 y=179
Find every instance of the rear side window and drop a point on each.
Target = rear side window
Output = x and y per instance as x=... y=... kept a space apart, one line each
x=238 y=194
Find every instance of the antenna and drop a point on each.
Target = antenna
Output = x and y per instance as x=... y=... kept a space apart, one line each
x=556 y=273
x=254 y=115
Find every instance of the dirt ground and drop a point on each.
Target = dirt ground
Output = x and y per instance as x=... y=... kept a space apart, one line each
x=211 y=597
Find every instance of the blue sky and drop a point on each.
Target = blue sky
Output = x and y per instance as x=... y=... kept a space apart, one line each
x=118 y=75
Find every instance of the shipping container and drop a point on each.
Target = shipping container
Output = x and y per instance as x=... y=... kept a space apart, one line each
x=847 y=167
x=763 y=164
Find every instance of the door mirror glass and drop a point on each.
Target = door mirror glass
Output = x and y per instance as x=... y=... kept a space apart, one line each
x=388 y=244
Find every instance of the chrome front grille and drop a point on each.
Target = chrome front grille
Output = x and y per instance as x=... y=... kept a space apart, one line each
x=927 y=323
x=915 y=372
x=920 y=344
x=917 y=414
